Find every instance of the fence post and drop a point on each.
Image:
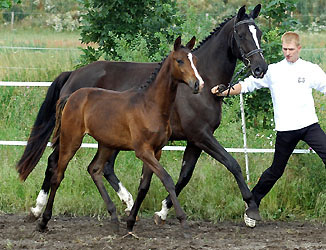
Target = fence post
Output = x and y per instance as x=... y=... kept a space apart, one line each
x=12 y=19
x=244 y=132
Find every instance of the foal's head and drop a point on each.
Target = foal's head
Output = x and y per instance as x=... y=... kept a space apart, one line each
x=184 y=65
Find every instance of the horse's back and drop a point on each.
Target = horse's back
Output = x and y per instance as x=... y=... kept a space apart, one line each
x=111 y=75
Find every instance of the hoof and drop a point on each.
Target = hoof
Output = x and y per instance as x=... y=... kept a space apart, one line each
x=158 y=220
x=115 y=226
x=41 y=229
x=249 y=222
x=253 y=213
x=30 y=218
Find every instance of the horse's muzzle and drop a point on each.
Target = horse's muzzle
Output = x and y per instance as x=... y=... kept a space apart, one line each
x=196 y=87
x=259 y=72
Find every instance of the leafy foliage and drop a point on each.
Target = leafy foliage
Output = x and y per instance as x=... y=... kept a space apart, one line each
x=277 y=20
x=6 y=4
x=106 y=22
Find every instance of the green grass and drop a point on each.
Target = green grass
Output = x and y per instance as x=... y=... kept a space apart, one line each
x=37 y=65
x=212 y=192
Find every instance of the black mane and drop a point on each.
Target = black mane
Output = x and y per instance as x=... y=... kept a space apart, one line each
x=214 y=32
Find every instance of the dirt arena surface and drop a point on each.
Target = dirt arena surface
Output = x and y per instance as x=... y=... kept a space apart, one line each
x=91 y=233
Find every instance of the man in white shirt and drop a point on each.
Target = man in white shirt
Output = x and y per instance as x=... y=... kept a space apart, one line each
x=291 y=82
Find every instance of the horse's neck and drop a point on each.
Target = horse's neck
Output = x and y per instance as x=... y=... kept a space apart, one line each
x=163 y=90
x=215 y=58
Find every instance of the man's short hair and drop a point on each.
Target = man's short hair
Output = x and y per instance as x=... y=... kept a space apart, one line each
x=291 y=36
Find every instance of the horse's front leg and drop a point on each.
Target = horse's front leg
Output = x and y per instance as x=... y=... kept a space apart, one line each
x=189 y=161
x=211 y=146
x=109 y=174
x=143 y=188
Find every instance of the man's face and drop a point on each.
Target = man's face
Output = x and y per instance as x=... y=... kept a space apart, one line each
x=291 y=51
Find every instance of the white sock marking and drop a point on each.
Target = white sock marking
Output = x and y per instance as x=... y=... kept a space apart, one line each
x=40 y=203
x=164 y=211
x=126 y=197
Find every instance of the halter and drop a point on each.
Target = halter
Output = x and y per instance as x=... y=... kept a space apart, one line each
x=244 y=56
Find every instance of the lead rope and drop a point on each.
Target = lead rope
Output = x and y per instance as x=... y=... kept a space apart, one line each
x=233 y=80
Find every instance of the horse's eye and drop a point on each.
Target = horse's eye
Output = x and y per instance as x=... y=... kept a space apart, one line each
x=179 y=61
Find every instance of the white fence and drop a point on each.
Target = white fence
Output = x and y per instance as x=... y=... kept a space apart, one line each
x=244 y=150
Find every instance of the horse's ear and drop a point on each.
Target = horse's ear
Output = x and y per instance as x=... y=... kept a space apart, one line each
x=255 y=12
x=177 y=43
x=191 y=43
x=241 y=13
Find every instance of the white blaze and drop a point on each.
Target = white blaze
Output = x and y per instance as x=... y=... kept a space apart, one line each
x=201 y=82
x=253 y=31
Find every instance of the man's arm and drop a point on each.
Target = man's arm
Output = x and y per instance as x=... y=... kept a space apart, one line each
x=235 y=90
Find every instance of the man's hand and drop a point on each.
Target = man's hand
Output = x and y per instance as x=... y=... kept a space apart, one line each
x=218 y=90
x=221 y=90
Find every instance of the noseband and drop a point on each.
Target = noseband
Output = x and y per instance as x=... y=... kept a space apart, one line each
x=244 y=56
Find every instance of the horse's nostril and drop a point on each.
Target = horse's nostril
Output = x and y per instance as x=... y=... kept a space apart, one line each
x=258 y=71
x=197 y=85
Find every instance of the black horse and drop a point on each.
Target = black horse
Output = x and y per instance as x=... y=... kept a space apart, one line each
x=194 y=117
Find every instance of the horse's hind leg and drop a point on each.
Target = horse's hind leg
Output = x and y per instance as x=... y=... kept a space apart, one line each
x=95 y=170
x=116 y=184
x=67 y=149
x=43 y=194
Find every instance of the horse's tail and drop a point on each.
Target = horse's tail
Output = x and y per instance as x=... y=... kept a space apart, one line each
x=42 y=129
x=56 y=135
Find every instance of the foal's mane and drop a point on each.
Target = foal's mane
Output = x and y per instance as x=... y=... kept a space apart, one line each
x=213 y=33
x=154 y=74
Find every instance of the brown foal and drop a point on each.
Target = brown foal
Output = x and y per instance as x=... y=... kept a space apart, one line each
x=136 y=119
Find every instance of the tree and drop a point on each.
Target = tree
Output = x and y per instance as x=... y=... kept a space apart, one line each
x=107 y=22
x=276 y=19
x=6 y=4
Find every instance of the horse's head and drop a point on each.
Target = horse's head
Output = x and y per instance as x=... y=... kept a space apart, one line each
x=184 y=65
x=246 y=41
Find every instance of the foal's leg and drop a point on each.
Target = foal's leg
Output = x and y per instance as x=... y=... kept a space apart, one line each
x=152 y=163
x=43 y=194
x=145 y=182
x=95 y=170
x=189 y=161
x=67 y=149
x=110 y=176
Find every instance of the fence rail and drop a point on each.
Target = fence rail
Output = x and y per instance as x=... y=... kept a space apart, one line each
x=94 y=145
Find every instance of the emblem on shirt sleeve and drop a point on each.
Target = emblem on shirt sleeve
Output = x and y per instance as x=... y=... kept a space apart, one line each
x=301 y=79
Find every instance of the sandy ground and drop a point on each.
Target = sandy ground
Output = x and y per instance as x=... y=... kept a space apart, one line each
x=92 y=233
